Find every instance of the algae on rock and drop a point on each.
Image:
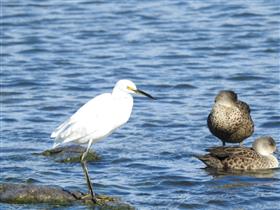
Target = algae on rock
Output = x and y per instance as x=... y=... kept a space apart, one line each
x=70 y=154
x=32 y=194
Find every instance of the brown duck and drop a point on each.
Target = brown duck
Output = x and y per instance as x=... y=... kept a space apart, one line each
x=230 y=118
x=260 y=156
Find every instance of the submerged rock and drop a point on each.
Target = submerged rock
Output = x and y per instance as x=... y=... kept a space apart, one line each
x=70 y=154
x=30 y=194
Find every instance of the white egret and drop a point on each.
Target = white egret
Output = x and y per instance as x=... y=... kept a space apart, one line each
x=97 y=119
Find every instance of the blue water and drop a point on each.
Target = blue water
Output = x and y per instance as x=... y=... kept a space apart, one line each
x=56 y=55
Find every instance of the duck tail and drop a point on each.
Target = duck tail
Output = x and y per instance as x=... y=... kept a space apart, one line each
x=210 y=161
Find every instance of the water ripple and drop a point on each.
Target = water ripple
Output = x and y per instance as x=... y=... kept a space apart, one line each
x=58 y=55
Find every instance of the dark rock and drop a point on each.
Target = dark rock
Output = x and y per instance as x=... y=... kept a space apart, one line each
x=31 y=194
x=70 y=154
x=26 y=193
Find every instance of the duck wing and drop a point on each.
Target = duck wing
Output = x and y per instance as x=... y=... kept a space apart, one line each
x=243 y=107
x=225 y=152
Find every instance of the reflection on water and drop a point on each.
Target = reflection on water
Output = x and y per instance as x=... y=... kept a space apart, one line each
x=261 y=173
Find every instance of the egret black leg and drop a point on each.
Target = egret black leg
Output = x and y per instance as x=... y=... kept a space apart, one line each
x=89 y=184
x=224 y=144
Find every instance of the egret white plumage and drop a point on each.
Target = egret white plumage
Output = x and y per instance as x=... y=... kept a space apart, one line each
x=97 y=119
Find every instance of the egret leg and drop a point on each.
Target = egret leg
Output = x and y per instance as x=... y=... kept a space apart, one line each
x=89 y=184
x=241 y=144
x=224 y=144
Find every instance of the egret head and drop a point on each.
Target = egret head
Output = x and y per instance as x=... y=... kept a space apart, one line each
x=128 y=86
x=265 y=145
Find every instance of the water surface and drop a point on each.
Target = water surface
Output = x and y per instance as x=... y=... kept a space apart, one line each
x=57 y=55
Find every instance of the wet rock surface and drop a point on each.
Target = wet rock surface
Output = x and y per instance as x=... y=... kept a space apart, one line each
x=30 y=194
x=70 y=154
x=26 y=193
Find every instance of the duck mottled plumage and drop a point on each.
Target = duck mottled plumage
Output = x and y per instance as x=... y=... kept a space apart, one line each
x=230 y=118
x=260 y=156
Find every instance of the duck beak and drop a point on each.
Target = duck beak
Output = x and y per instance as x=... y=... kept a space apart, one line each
x=141 y=92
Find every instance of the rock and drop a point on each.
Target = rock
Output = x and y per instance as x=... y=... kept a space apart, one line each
x=31 y=194
x=27 y=193
x=70 y=154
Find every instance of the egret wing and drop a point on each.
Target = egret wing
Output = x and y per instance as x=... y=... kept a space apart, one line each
x=89 y=119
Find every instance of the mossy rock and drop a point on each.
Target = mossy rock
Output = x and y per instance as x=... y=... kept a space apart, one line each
x=35 y=194
x=106 y=202
x=27 y=193
x=70 y=154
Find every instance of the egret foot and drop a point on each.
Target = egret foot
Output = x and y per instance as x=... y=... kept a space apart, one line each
x=88 y=197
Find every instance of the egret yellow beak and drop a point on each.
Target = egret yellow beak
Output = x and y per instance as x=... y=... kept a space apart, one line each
x=140 y=92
